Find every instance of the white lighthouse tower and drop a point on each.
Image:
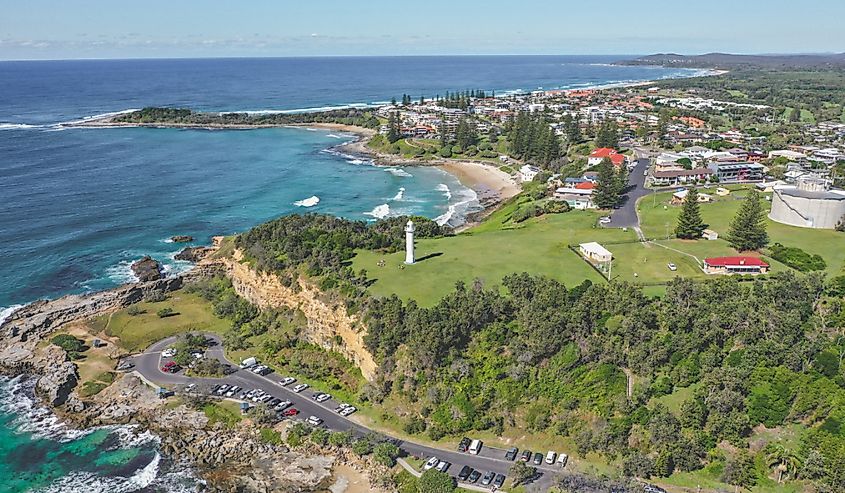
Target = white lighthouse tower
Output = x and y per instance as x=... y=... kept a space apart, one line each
x=409 y=242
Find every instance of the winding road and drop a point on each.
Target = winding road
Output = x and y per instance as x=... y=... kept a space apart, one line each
x=149 y=363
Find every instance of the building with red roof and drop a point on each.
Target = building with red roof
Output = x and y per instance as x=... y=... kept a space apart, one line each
x=602 y=153
x=735 y=265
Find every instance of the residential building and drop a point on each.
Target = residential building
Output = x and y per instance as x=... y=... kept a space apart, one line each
x=735 y=265
x=528 y=172
x=737 y=172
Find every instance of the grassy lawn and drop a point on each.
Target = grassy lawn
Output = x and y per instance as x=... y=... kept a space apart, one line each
x=657 y=216
x=674 y=400
x=491 y=251
x=226 y=412
x=136 y=332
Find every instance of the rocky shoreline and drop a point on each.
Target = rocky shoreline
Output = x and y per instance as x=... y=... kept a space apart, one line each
x=229 y=460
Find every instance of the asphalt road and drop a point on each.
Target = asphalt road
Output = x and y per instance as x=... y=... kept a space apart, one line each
x=493 y=459
x=626 y=215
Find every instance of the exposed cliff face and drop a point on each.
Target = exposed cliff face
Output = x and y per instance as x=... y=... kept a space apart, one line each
x=326 y=323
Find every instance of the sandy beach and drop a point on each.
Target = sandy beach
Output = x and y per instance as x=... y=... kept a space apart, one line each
x=480 y=176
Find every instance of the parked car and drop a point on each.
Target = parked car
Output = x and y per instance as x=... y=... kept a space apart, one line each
x=538 y=459
x=465 y=472
x=340 y=407
x=249 y=362
x=299 y=388
x=432 y=462
x=168 y=353
x=232 y=391
x=314 y=421
x=650 y=488
x=475 y=446
x=561 y=460
x=499 y=481
x=264 y=371
x=511 y=453
x=488 y=478
x=291 y=411
x=287 y=381
x=473 y=476
x=551 y=456
x=604 y=220
x=672 y=266
x=463 y=446
x=443 y=466
x=282 y=405
x=274 y=402
x=322 y=397
x=347 y=411
x=526 y=456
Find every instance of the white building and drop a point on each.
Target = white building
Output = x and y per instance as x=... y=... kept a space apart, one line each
x=595 y=252
x=528 y=172
x=809 y=204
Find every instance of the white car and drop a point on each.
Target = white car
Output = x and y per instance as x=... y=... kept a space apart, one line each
x=287 y=381
x=282 y=405
x=672 y=267
x=169 y=352
x=299 y=388
x=561 y=459
x=348 y=410
x=431 y=463
x=314 y=421
x=604 y=220
x=442 y=466
x=340 y=407
x=322 y=397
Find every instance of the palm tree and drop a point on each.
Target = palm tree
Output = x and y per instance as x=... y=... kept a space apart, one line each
x=784 y=462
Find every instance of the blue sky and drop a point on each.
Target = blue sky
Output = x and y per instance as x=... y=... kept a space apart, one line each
x=37 y=29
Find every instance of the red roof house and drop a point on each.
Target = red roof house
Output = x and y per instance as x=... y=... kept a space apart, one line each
x=735 y=265
x=599 y=154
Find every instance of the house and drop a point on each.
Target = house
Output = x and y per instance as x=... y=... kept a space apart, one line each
x=709 y=234
x=595 y=252
x=528 y=172
x=598 y=155
x=735 y=265
x=577 y=193
x=680 y=197
x=675 y=177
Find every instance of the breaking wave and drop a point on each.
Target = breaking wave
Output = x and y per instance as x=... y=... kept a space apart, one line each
x=309 y=202
x=379 y=212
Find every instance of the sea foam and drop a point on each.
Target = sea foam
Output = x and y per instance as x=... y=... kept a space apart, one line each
x=7 y=312
x=379 y=212
x=399 y=172
x=309 y=202
x=400 y=194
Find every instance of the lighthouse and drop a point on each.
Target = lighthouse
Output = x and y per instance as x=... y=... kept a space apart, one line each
x=409 y=242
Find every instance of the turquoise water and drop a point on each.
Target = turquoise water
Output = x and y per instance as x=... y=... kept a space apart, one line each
x=39 y=453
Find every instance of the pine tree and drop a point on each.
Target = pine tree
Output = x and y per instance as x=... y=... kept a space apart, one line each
x=690 y=226
x=748 y=228
x=393 y=128
x=606 y=193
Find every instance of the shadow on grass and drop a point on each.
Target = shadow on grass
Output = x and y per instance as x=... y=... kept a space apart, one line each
x=429 y=256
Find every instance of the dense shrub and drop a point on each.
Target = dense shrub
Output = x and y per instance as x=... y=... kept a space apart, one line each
x=68 y=343
x=797 y=259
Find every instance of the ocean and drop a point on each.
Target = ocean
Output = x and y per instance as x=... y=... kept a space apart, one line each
x=78 y=205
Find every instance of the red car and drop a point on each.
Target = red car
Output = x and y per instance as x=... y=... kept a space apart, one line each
x=170 y=367
x=291 y=411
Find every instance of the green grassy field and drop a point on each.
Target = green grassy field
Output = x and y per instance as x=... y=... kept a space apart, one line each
x=136 y=332
x=657 y=216
x=490 y=252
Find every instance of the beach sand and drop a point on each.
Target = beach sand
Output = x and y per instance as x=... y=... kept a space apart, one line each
x=482 y=177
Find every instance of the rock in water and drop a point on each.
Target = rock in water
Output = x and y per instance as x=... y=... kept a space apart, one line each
x=181 y=239
x=147 y=269
x=193 y=254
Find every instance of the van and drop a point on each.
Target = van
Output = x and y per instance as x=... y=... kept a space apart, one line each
x=249 y=362
x=550 y=457
x=475 y=447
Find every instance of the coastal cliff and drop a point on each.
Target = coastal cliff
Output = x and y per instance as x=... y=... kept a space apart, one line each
x=329 y=326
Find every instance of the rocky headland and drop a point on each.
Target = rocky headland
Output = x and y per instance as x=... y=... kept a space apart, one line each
x=147 y=269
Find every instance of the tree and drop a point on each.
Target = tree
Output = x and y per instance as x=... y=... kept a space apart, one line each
x=434 y=481
x=690 y=226
x=739 y=471
x=608 y=135
x=784 y=462
x=386 y=453
x=393 y=128
x=748 y=228
x=606 y=193
x=521 y=473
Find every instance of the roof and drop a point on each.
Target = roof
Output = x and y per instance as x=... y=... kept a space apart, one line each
x=595 y=248
x=585 y=185
x=741 y=261
x=617 y=159
x=603 y=152
x=675 y=173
